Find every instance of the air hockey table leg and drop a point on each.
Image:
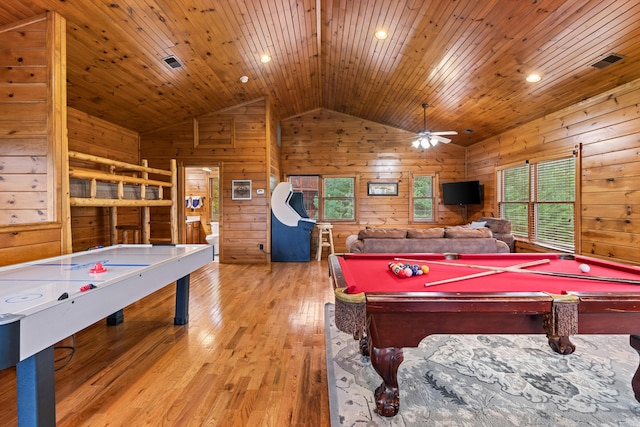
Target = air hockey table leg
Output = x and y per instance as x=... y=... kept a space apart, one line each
x=35 y=379
x=115 y=318
x=182 y=301
x=182 y=305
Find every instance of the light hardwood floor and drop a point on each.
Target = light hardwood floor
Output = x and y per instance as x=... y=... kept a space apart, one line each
x=253 y=354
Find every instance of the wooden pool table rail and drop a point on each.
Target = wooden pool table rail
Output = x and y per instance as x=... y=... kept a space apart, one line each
x=404 y=319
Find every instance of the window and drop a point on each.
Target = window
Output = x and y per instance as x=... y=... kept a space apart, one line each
x=539 y=200
x=339 y=198
x=310 y=188
x=423 y=199
x=335 y=201
x=214 y=196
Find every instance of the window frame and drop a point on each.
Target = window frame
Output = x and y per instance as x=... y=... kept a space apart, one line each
x=319 y=190
x=321 y=196
x=533 y=203
x=434 y=198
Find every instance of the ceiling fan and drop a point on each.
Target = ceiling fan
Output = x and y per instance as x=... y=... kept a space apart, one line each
x=427 y=138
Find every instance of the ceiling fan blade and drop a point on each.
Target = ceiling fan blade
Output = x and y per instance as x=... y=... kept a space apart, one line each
x=426 y=137
x=440 y=138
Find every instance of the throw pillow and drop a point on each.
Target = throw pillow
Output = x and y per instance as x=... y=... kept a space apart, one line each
x=478 y=224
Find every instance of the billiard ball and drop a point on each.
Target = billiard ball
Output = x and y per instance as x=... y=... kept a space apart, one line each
x=584 y=268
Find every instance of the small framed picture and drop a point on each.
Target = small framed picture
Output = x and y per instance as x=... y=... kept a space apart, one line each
x=241 y=189
x=382 y=188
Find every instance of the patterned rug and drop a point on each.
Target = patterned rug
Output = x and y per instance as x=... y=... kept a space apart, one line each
x=488 y=380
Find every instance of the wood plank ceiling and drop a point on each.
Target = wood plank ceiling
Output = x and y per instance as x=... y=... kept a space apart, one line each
x=468 y=59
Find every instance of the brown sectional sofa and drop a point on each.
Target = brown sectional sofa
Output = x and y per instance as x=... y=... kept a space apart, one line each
x=501 y=230
x=457 y=239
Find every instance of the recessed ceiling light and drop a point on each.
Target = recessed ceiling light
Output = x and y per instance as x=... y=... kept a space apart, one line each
x=265 y=58
x=533 y=78
x=381 y=34
x=244 y=79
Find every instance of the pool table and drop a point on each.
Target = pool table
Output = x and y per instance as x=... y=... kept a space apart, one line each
x=514 y=293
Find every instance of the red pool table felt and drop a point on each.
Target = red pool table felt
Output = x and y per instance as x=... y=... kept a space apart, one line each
x=370 y=273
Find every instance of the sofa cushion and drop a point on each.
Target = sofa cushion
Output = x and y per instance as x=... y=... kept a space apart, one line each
x=497 y=225
x=350 y=241
x=382 y=233
x=469 y=233
x=426 y=233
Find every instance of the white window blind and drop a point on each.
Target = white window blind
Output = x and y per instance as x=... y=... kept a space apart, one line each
x=539 y=200
x=514 y=193
x=555 y=203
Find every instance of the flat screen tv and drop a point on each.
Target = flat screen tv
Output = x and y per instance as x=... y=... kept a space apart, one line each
x=462 y=193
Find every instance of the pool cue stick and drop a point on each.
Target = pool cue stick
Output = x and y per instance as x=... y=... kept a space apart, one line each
x=540 y=272
x=486 y=273
x=455 y=264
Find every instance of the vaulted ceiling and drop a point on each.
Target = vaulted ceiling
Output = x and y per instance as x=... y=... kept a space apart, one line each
x=467 y=59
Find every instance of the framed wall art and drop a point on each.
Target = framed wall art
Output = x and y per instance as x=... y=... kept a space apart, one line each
x=241 y=189
x=382 y=188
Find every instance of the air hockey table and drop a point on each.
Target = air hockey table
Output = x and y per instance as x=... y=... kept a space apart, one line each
x=43 y=302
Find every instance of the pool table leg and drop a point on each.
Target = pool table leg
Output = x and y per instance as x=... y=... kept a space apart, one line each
x=364 y=345
x=634 y=341
x=561 y=344
x=386 y=362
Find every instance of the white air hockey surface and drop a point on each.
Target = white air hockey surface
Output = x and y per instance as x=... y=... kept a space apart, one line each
x=27 y=287
x=33 y=316
x=30 y=292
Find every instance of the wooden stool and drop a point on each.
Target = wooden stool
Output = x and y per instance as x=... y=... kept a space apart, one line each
x=325 y=238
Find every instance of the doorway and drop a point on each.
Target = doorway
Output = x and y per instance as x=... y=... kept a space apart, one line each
x=203 y=205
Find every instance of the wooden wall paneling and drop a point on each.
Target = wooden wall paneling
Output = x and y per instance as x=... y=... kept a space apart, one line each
x=606 y=127
x=33 y=139
x=92 y=135
x=29 y=243
x=29 y=164
x=243 y=222
x=58 y=130
x=215 y=131
x=323 y=142
x=88 y=224
x=272 y=172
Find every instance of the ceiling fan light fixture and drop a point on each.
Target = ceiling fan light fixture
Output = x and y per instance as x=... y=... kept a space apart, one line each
x=426 y=138
x=421 y=142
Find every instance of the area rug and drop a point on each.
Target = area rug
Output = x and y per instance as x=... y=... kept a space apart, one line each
x=488 y=380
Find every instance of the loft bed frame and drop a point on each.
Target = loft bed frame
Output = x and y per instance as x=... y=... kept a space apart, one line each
x=124 y=185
